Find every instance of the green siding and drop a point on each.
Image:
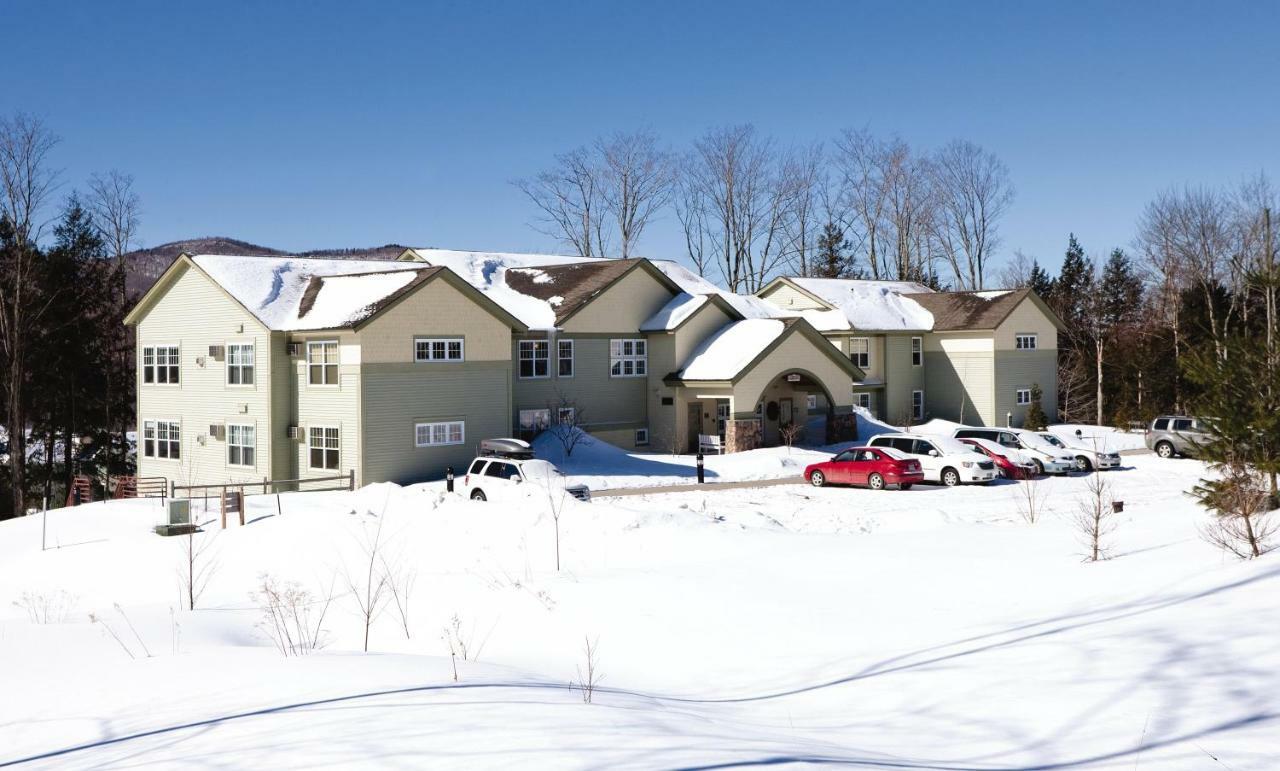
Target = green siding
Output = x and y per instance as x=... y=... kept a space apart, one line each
x=398 y=396
x=958 y=387
x=901 y=378
x=1023 y=369
x=603 y=402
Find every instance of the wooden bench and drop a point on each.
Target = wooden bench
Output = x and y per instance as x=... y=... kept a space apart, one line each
x=710 y=443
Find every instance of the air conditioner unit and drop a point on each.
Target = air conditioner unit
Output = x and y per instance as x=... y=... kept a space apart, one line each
x=217 y=430
x=294 y=432
x=244 y=409
x=295 y=349
x=199 y=361
x=215 y=352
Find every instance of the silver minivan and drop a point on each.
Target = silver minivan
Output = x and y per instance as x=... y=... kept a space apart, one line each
x=1170 y=435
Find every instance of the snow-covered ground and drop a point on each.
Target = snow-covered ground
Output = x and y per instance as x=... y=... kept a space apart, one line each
x=930 y=628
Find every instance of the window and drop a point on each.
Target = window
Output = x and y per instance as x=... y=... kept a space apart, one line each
x=160 y=364
x=322 y=363
x=439 y=434
x=642 y=437
x=917 y=405
x=502 y=470
x=811 y=402
x=240 y=364
x=323 y=443
x=564 y=358
x=903 y=444
x=922 y=447
x=1023 y=396
x=722 y=414
x=161 y=439
x=437 y=349
x=533 y=358
x=628 y=358
x=239 y=445
x=860 y=352
x=1183 y=424
x=917 y=351
x=1161 y=424
x=1023 y=342
x=476 y=466
x=862 y=400
x=533 y=421
x=565 y=416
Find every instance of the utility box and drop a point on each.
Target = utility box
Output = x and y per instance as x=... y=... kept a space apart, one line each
x=179 y=511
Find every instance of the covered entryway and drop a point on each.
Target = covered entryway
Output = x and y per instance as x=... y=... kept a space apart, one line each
x=769 y=380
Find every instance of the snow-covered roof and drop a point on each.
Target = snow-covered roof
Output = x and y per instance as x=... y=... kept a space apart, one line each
x=675 y=312
x=871 y=305
x=723 y=355
x=272 y=288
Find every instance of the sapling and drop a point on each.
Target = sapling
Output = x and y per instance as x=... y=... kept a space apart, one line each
x=589 y=674
x=1095 y=518
x=1030 y=495
x=1241 y=505
x=197 y=566
x=369 y=584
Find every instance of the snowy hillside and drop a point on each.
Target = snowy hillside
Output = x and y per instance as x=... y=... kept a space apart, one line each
x=931 y=628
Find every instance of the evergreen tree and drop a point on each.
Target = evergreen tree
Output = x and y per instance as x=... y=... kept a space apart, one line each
x=1040 y=282
x=1036 y=419
x=832 y=258
x=1073 y=287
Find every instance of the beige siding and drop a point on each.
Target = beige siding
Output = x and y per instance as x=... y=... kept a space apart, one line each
x=1026 y=318
x=1024 y=369
x=437 y=309
x=796 y=352
x=668 y=424
x=397 y=392
x=624 y=306
x=901 y=378
x=195 y=314
x=788 y=297
x=959 y=378
x=329 y=405
x=284 y=413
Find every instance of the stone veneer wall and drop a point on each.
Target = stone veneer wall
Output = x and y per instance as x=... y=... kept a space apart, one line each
x=741 y=435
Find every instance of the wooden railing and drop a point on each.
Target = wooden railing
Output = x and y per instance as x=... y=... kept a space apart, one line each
x=267 y=486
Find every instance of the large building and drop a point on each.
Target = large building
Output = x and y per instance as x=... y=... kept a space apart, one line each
x=280 y=367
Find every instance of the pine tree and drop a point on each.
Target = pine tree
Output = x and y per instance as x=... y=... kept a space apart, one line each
x=1041 y=282
x=1036 y=419
x=832 y=258
x=1073 y=287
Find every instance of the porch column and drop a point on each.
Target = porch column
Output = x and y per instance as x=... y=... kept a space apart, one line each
x=741 y=435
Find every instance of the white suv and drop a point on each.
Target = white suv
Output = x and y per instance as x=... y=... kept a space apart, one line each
x=1047 y=458
x=942 y=459
x=1087 y=458
x=490 y=476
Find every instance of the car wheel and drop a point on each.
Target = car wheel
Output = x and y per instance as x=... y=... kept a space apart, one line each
x=1083 y=464
x=1039 y=467
x=817 y=479
x=478 y=495
x=875 y=482
x=1164 y=450
x=905 y=485
x=950 y=477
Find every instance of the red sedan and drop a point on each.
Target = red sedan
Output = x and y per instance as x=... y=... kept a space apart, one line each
x=1008 y=467
x=874 y=467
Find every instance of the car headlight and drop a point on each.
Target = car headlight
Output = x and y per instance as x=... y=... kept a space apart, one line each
x=966 y=463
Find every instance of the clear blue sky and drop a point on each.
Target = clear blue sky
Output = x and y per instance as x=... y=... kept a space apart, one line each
x=306 y=125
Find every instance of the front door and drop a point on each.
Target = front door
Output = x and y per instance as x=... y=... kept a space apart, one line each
x=695 y=425
x=784 y=412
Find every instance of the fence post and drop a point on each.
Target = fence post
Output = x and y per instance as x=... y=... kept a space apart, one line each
x=351 y=480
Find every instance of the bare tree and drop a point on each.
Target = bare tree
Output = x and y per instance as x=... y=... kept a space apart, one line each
x=589 y=674
x=26 y=183
x=861 y=163
x=1016 y=273
x=400 y=582
x=116 y=211
x=808 y=208
x=570 y=417
x=637 y=182
x=292 y=618
x=973 y=192
x=733 y=182
x=1031 y=496
x=791 y=433
x=570 y=197
x=692 y=213
x=557 y=495
x=197 y=567
x=369 y=584
x=1095 y=517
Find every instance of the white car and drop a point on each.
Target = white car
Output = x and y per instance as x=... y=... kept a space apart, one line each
x=942 y=458
x=491 y=476
x=1087 y=458
x=1047 y=458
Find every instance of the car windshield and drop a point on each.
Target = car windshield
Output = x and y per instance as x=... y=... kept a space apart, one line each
x=1051 y=439
x=1036 y=442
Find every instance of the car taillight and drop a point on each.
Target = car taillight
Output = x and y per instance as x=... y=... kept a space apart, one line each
x=466 y=479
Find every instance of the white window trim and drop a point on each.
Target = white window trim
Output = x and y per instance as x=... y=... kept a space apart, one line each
x=142 y=367
x=859 y=397
x=1017 y=397
x=309 y=447
x=519 y=358
x=520 y=419
x=226 y=361
x=1033 y=336
x=462 y=344
x=914 y=414
x=572 y=359
x=633 y=357
x=915 y=363
x=462 y=429
x=867 y=353
x=252 y=427
x=573 y=415
x=337 y=365
x=642 y=437
x=156 y=457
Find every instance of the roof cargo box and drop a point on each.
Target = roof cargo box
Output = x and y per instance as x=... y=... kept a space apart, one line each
x=506 y=448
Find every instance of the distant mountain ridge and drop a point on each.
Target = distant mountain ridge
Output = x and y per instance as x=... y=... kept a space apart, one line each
x=144 y=266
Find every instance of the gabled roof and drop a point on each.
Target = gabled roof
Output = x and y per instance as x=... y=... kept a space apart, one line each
x=871 y=306
x=570 y=288
x=736 y=348
x=299 y=293
x=980 y=310
x=684 y=307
